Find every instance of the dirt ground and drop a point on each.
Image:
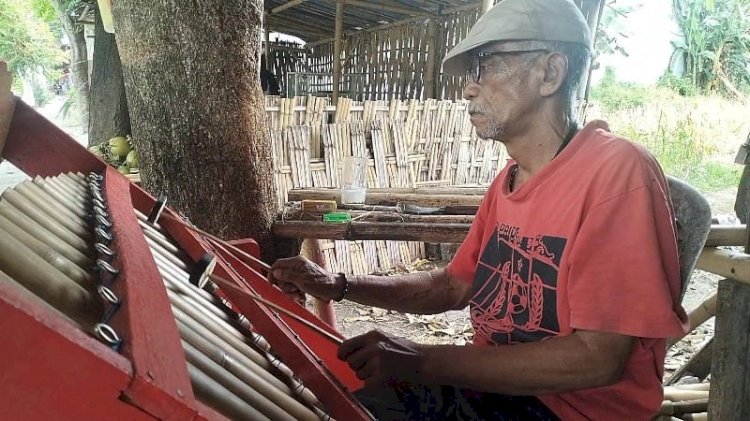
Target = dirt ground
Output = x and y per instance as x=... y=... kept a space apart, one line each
x=454 y=327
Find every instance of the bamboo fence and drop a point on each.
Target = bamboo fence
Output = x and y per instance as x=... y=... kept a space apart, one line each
x=408 y=144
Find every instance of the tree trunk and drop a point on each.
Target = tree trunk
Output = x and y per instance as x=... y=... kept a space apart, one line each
x=79 y=62
x=197 y=110
x=108 y=116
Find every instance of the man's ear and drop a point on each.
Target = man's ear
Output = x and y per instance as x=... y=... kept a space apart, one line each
x=555 y=71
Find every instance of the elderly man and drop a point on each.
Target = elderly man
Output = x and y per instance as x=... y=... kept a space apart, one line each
x=569 y=270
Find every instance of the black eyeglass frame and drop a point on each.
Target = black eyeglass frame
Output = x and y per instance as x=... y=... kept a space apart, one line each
x=474 y=72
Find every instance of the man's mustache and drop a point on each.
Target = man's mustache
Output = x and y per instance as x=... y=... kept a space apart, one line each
x=475 y=109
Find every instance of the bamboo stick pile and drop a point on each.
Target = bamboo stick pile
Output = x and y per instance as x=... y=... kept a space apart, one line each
x=410 y=144
x=55 y=237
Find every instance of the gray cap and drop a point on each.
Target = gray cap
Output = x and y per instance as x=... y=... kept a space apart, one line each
x=520 y=20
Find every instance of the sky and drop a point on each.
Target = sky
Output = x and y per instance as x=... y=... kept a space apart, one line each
x=651 y=29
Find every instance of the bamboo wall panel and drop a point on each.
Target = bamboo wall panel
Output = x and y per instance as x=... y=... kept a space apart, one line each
x=410 y=144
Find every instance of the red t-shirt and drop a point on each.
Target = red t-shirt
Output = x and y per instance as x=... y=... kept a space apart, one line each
x=587 y=243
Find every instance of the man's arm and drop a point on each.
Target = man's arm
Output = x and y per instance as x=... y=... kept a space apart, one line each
x=582 y=360
x=419 y=292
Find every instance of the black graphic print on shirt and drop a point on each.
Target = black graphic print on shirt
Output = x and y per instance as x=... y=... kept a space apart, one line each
x=515 y=287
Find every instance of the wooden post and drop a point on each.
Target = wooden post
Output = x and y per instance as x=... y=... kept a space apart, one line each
x=594 y=16
x=7 y=104
x=431 y=69
x=487 y=5
x=339 y=29
x=267 y=44
x=730 y=370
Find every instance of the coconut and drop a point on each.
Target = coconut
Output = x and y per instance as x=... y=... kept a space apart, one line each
x=98 y=151
x=124 y=169
x=119 y=146
x=132 y=159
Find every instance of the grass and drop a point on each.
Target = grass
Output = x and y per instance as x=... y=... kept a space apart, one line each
x=694 y=138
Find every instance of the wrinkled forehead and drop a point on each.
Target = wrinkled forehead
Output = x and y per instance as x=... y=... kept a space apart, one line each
x=510 y=47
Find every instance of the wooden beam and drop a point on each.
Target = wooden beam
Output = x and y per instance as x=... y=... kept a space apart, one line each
x=730 y=370
x=395 y=9
x=286 y=5
x=373 y=29
x=386 y=197
x=337 y=40
x=434 y=233
x=431 y=66
x=726 y=263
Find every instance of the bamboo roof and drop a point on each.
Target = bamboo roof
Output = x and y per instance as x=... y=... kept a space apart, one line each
x=314 y=20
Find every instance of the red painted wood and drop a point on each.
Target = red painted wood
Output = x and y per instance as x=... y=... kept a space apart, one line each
x=311 y=356
x=38 y=147
x=50 y=370
x=161 y=385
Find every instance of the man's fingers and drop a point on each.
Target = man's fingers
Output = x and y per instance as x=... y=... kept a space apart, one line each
x=351 y=345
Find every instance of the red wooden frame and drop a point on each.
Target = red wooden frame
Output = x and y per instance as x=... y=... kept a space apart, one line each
x=50 y=367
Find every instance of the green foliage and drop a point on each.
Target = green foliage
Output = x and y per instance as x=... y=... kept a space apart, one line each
x=40 y=91
x=26 y=42
x=612 y=28
x=694 y=138
x=613 y=95
x=683 y=86
x=716 y=45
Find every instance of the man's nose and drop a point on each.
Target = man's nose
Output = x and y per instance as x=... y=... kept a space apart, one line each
x=470 y=90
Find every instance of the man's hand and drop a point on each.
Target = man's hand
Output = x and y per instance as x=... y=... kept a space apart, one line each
x=379 y=358
x=297 y=276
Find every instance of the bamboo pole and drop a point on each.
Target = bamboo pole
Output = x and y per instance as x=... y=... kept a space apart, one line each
x=699 y=315
x=726 y=235
x=726 y=263
x=338 y=30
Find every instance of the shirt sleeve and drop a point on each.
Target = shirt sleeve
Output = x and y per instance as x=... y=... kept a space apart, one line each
x=624 y=276
x=464 y=262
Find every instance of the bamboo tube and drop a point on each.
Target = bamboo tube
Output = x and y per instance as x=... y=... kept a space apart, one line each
x=189 y=328
x=699 y=315
x=726 y=263
x=159 y=238
x=43 y=203
x=200 y=299
x=35 y=193
x=218 y=330
x=22 y=264
x=55 y=191
x=234 y=385
x=43 y=234
x=73 y=193
x=676 y=395
x=683 y=407
x=692 y=386
x=25 y=207
x=49 y=254
x=76 y=192
x=30 y=296
x=726 y=235
x=218 y=397
x=700 y=416
x=170 y=257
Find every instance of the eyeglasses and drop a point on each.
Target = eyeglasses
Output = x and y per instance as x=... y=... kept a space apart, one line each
x=474 y=71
